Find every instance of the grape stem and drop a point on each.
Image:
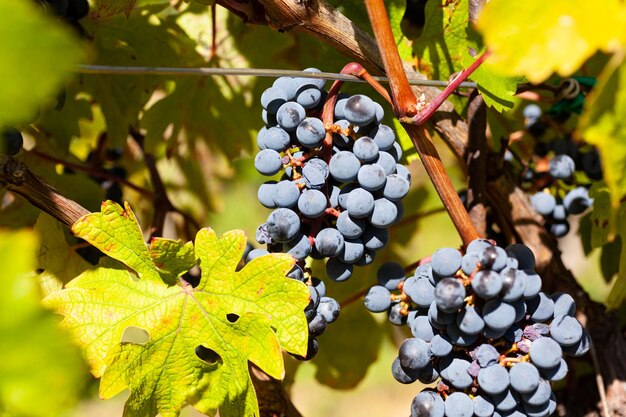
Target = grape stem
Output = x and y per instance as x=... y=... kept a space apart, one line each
x=405 y=108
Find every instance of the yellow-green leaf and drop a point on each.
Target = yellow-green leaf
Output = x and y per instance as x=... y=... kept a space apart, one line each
x=115 y=232
x=32 y=65
x=172 y=257
x=144 y=334
x=42 y=374
x=603 y=124
x=618 y=291
x=535 y=38
x=603 y=215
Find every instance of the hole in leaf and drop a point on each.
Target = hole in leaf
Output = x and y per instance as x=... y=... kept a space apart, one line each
x=135 y=335
x=207 y=355
x=232 y=317
x=39 y=271
x=193 y=276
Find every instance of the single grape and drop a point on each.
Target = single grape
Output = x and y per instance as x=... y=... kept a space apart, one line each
x=360 y=110
x=286 y=194
x=283 y=225
x=384 y=213
x=539 y=395
x=396 y=187
x=255 y=253
x=566 y=330
x=512 y=285
x=487 y=284
x=455 y=371
x=268 y=162
x=309 y=98
x=353 y=250
x=498 y=315
x=360 y=203
x=532 y=112
x=440 y=346
x=378 y=299
x=523 y=254
x=505 y=401
x=449 y=294
x=469 y=321
x=564 y=304
x=310 y=132
x=544 y=203
x=317 y=325
x=384 y=136
x=396 y=315
x=486 y=355
x=459 y=404
x=388 y=163
x=329 y=242
x=299 y=248
x=312 y=203
x=439 y=317
x=524 y=377
x=365 y=149
x=344 y=166
x=577 y=200
x=545 y=352
x=276 y=138
x=289 y=115
x=315 y=173
x=420 y=291
x=404 y=376
x=540 y=308
x=414 y=353
x=272 y=98
x=483 y=407
x=427 y=404
x=371 y=177
x=350 y=227
x=328 y=308
x=562 y=167
x=493 y=379
x=265 y=194
x=422 y=329
x=446 y=262
x=581 y=347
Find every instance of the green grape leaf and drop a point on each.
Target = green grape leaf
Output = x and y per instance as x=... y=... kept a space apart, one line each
x=172 y=257
x=32 y=66
x=41 y=355
x=610 y=258
x=603 y=216
x=497 y=90
x=177 y=344
x=116 y=233
x=618 y=291
x=443 y=43
x=603 y=124
x=108 y=8
x=537 y=38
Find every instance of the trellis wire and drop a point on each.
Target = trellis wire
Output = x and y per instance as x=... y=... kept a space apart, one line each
x=257 y=72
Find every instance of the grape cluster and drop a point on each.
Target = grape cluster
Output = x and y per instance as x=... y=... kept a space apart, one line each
x=481 y=323
x=11 y=141
x=341 y=185
x=561 y=186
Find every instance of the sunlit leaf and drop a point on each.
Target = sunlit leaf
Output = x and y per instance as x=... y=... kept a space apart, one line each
x=535 y=38
x=192 y=344
x=32 y=66
x=37 y=354
x=603 y=124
